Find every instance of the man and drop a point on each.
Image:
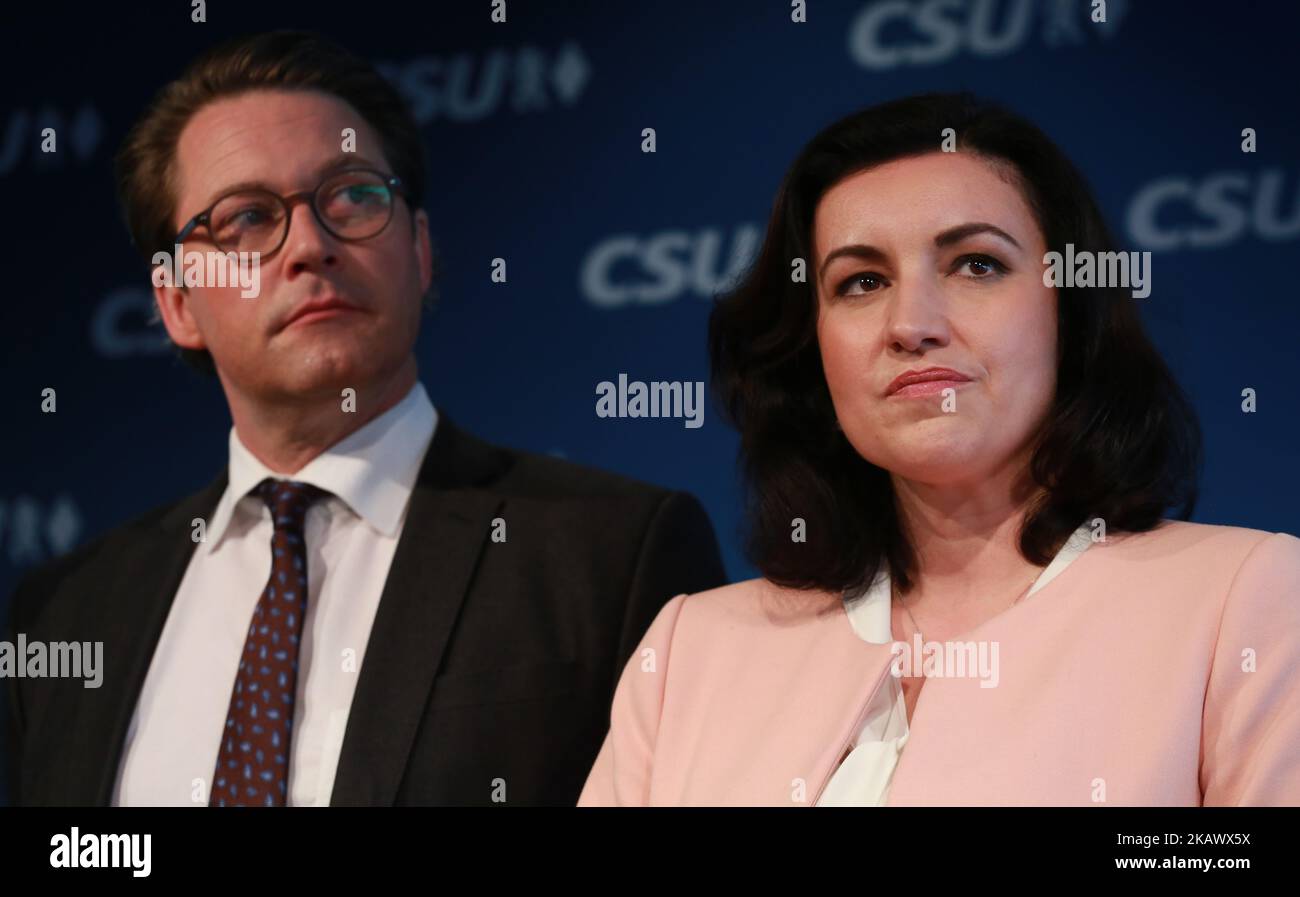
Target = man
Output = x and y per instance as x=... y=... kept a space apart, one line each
x=443 y=621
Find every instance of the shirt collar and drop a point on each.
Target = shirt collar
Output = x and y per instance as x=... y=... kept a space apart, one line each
x=372 y=470
x=869 y=611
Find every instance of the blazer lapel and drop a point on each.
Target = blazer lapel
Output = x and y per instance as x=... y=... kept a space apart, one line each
x=447 y=525
x=131 y=614
x=871 y=665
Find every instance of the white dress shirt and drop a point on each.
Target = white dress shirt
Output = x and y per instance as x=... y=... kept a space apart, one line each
x=351 y=535
x=863 y=779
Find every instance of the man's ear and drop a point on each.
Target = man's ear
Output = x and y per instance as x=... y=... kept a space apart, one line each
x=423 y=248
x=173 y=307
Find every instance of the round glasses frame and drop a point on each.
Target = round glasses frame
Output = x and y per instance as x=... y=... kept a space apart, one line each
x=289 y=201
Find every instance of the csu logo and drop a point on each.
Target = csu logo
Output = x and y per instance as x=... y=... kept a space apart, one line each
x=464 y=88
x=34 y=530
x=1218 y=209
x=627 y=269
x=121 y=325
x=893 y=33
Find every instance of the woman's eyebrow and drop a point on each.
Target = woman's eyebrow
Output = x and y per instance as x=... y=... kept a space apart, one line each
x=946 y=238
x=962 y=231
x=855 y=250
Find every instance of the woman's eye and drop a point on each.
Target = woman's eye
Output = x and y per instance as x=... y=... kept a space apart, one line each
x=870 y=283
x=981 y=266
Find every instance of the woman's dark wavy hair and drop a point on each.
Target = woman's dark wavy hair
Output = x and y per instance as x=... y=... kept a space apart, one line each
x=1121 y=441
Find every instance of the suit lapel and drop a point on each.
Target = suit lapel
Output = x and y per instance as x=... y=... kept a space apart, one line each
x=132 y=612
x=447 y=525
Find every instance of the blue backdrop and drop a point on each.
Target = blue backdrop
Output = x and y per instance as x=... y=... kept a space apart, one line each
x=534 y=136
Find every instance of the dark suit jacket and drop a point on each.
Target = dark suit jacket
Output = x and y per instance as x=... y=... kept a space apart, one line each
x=488 y=661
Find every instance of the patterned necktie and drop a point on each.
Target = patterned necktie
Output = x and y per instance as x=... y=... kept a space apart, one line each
x=253 y=763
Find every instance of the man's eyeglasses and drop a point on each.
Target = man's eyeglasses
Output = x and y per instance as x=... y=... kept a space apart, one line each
x=352 y=205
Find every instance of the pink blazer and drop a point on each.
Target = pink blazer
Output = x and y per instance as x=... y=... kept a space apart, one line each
x=1158 y=669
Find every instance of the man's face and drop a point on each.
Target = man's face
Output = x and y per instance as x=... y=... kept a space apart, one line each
x=286 y=141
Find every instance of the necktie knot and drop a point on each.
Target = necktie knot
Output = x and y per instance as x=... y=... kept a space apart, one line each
x=288 y=501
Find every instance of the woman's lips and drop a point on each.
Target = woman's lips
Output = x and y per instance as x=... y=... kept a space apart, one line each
x=927 y=388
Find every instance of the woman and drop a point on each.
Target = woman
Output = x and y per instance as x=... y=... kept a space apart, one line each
x=958 y=478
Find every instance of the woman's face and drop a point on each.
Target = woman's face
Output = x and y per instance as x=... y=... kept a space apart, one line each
x=934 y=261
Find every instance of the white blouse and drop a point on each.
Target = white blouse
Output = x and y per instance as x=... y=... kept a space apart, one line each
x=863 y=779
